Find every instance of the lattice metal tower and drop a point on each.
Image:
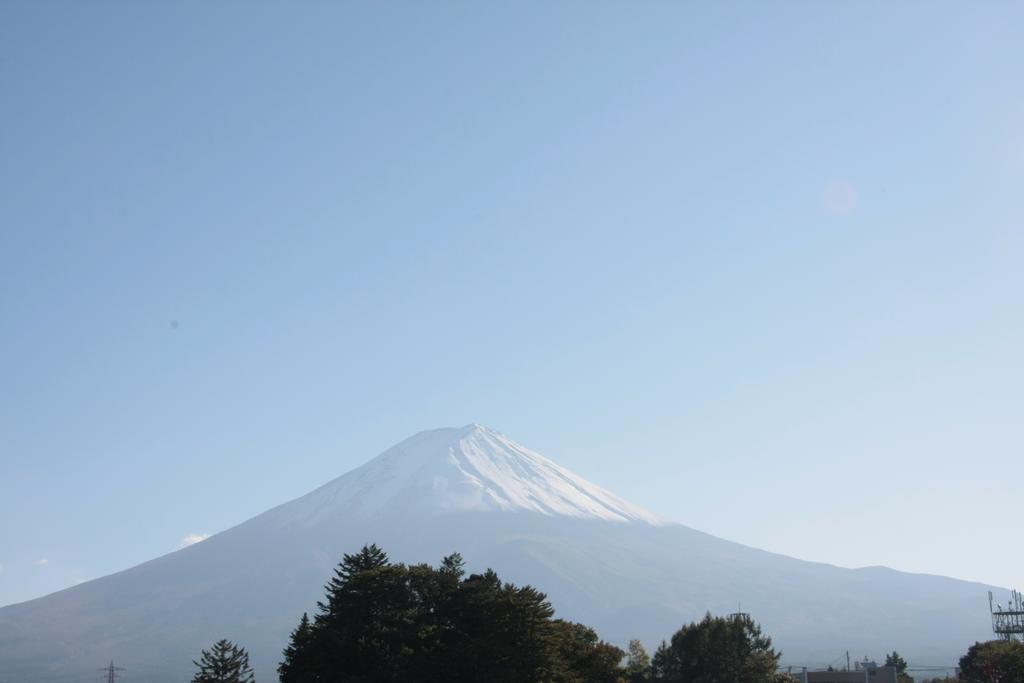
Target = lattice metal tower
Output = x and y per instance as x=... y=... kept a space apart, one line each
x=111 y=672
x=1008 y=622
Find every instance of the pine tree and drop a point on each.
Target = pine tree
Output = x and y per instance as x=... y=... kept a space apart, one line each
x=664 y=666
x=391 y=622
x=369 y=558
x=293 y=667
x=225 y=663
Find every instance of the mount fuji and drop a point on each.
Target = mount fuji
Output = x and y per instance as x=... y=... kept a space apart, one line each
x=601 y=560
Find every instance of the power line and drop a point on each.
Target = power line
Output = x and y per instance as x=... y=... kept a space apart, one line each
x=910 y=667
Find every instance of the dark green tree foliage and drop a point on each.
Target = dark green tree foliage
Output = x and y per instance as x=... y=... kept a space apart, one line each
x=664 y=665
x=225 y=663
x=997 y=661
x=584 y=657
x=717 y=650
x=294 y=654
x=391 y=622
x=894 y=660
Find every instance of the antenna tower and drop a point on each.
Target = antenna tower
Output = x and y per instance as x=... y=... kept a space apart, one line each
x=1008 y=622
x=739 y=613
x=111 y=671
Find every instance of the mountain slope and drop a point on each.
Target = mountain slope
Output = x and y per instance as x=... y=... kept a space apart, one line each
x=601 y=560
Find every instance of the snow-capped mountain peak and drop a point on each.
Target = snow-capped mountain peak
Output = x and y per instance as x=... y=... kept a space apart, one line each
x=473 y=468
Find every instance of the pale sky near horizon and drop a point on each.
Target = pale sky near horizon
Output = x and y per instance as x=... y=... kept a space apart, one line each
x=756 y=267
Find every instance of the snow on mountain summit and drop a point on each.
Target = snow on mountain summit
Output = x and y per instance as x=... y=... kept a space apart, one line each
x=470 y=469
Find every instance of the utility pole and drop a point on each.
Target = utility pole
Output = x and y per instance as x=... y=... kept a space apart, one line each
x=847 y=660
x=111 y=671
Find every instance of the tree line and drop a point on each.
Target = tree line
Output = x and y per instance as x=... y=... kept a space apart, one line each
x=388 y=622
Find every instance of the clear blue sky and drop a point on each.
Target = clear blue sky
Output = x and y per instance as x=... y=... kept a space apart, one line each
x=756 y=266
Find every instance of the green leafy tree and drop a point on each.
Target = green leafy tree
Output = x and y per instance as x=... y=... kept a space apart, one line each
x=638 y=663
x=997 y=661
x=717 y=650
x=585 y=658
x=225 y=663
